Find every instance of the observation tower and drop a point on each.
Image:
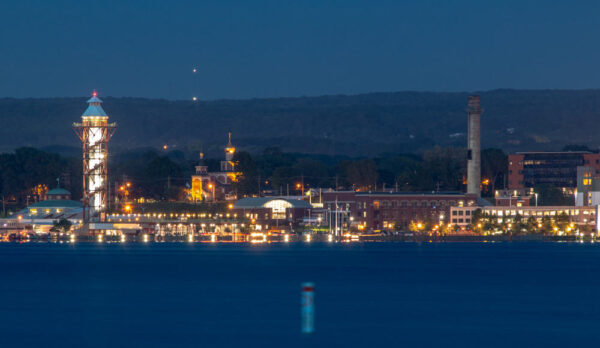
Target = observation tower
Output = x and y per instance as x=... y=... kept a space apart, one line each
x=94 y=132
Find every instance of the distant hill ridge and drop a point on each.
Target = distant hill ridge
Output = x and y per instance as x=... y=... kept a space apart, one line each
x=356 y=125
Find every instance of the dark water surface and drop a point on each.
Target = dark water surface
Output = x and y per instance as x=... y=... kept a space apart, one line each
x=367 y=295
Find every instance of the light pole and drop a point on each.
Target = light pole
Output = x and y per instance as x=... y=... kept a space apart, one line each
x=212 y=187
x=536 y=199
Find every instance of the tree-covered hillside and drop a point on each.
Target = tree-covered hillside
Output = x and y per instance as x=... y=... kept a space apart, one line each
x=360 y=125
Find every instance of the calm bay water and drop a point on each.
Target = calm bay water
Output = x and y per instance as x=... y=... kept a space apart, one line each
x=378 y=294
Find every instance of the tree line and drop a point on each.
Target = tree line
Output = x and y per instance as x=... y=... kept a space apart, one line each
x=165 y=176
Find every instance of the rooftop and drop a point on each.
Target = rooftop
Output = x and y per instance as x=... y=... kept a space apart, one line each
x=412 y=193
x=94 y=108
x=56 y=203
x=552 y=152
x=401 y=193
x=259 y=202
x=58 y=191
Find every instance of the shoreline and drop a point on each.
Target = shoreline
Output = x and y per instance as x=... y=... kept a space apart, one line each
x=145 y=239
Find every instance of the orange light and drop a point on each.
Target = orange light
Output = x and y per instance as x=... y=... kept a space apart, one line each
x=230 y=206
x=165 y=146
x=128 y=184
x=122 y=188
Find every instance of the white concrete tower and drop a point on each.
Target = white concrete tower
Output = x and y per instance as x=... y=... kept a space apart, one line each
x=474 y=146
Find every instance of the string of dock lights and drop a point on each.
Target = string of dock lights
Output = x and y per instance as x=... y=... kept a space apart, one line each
x=175 y=215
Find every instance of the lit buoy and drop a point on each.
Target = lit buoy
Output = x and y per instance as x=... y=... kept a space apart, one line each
x=308 y=307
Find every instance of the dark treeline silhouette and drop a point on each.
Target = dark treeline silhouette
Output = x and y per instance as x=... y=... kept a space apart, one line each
x=164 y=176
x=359 y=125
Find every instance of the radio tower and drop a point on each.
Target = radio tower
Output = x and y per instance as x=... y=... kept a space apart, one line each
x=94 y=132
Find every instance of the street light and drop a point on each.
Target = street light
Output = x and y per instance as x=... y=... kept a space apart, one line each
x=212 y=187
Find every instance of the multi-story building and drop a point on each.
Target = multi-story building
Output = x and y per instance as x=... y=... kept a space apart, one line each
x=395 y=210
x=215 y=186
x=588 y=187
x=526 y=170
x=581 y=216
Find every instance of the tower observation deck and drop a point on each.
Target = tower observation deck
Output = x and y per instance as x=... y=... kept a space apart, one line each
x=94 y=132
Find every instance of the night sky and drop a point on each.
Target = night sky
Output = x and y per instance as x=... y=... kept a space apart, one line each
x=245 y=49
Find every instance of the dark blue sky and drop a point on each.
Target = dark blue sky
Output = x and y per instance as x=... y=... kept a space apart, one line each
x=246 y=49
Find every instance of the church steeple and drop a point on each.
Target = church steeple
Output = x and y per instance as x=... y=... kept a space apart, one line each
x=229 y=150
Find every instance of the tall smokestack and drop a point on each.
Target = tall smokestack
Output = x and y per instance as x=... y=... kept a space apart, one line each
x=474 y=146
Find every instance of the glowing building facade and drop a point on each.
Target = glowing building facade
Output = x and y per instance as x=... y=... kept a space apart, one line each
x=94 y=132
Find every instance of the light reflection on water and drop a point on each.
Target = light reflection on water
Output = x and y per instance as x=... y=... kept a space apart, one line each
x=376 y=294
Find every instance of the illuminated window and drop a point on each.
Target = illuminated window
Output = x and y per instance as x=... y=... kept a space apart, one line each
x=278 y=207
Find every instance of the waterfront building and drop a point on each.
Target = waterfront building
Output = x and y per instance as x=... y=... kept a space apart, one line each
x=580 y=216
x=395 y=210
x=40 y=217
x=215 y=186
x=527 y=170
x=273 y=211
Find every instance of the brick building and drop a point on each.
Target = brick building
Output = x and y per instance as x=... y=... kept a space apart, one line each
x=394 y=210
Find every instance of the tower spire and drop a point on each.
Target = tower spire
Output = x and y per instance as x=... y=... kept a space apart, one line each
x=229 y=150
